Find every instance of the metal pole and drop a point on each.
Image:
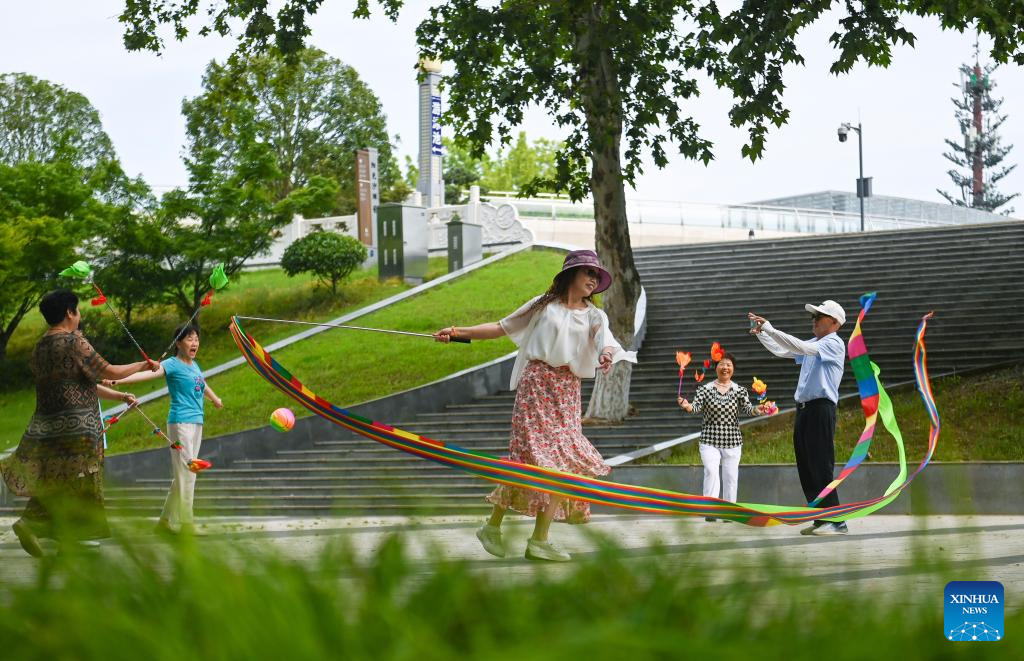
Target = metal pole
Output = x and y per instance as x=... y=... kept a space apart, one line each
x=860 y=155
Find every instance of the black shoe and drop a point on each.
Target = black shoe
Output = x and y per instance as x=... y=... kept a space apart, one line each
x=27 y=539
x=710 y=519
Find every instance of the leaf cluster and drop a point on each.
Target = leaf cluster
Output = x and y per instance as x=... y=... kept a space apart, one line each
x=251 y=21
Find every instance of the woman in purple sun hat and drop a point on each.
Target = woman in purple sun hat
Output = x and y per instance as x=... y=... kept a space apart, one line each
x=562 y=338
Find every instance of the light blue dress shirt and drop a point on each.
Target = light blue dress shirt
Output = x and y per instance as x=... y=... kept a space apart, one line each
x=821 y=362
x=820 y=375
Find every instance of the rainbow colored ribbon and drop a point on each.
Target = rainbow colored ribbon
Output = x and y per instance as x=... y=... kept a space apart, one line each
x=636 y=498
x=870 y=388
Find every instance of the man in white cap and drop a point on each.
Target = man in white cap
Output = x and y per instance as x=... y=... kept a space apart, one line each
x=822 y=360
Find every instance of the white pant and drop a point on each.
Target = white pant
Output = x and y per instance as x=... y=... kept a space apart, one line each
x=729 y=460
x=178 y=505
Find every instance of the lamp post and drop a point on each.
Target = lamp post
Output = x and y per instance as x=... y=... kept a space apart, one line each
x=863 y=185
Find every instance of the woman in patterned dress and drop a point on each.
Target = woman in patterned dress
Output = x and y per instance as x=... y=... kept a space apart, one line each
x=562 y=337
x=59 y=461
x=721 y=443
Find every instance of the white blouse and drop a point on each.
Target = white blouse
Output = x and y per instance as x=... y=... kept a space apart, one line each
x=561 y=336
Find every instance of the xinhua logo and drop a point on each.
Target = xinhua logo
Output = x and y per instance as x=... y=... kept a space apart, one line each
x=974 y=611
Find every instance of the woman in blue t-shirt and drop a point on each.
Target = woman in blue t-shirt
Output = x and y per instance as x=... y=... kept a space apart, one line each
x=187 y=388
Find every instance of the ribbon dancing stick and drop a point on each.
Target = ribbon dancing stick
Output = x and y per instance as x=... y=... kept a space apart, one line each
x=82 y=271
x=195 y=465
x=683 y=359
x=463 y=340
x=218 y=280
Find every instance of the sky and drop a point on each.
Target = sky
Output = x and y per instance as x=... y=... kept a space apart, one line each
x=905 y=109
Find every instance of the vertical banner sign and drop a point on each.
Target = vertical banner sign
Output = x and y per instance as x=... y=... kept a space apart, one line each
x=435 y=125
x=374 y=190
x=364 y=196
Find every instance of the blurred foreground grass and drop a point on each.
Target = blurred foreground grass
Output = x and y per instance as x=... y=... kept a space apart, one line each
x=237 y=601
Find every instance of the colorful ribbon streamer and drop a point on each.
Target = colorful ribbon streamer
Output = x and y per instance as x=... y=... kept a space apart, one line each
x=869 y=388
x=636 y=498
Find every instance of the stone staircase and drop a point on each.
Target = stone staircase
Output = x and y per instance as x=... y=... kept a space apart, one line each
x=697 y=293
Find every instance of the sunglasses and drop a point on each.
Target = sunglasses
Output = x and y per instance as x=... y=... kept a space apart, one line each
x=817 y=316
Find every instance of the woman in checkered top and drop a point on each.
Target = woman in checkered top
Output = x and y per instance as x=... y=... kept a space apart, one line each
x=721 y=444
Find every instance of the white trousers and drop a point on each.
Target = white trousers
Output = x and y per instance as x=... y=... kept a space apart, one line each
x=178 y=505
x=729 y=461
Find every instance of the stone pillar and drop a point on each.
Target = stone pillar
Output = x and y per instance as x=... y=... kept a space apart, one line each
x=431 y=179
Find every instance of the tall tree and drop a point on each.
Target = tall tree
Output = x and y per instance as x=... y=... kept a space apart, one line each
x=980 y=150
x=43 y=122
x=607 y=72
x=522 y=164
x=227 y=217
x=59 y=176
x=312 y=111
x=46 y=212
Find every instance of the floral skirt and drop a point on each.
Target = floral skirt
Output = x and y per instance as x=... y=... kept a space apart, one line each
x=547 y=431
x=63 y=478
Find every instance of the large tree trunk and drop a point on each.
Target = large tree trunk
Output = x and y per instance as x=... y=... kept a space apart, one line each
x=7 y=332
x=602 y=103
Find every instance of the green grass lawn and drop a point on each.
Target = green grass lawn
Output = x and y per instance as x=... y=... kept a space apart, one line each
x=981 y=420
x=345 y=367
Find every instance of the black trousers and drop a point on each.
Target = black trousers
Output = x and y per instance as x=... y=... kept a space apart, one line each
x=814 y=432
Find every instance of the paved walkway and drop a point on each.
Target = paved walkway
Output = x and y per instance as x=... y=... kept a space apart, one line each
x=888 y=554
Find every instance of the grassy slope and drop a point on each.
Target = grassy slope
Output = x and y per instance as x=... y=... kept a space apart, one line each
x=350 y=367
x=981 y=420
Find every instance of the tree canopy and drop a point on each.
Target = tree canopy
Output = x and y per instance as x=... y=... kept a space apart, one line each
x=45 y=122
x=521 y=166
x=46 y=213
x=312 y=112
x=59 y=183
x=254 y=24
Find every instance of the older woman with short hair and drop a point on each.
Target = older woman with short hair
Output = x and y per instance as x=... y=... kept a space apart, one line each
x=59 y=461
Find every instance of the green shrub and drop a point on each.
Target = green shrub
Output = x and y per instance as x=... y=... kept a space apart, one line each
x=329 y=256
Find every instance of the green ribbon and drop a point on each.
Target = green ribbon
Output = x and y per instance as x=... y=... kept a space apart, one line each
x=79 y=269
x=218 y=279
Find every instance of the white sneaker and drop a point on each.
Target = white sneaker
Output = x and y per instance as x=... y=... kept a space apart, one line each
x=490 y=537
x=545 y=551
